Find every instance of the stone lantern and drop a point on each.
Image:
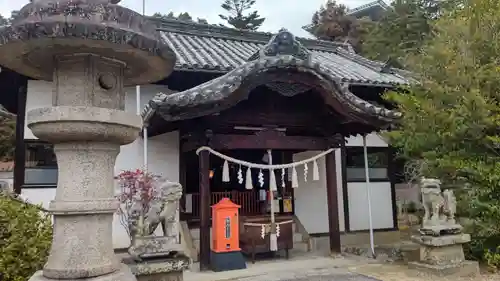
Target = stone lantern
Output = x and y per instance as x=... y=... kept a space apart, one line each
x=90 y=50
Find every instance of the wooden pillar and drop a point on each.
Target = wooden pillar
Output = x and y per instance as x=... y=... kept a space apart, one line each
x=204 y=210
x=20 y=150
x=182 y=179
x=345 y=190
x=333 y=208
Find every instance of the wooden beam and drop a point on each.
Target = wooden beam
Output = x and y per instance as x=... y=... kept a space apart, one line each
x=204 y=210
x=268 y=139
x=248 y=117
x=20 y=152
x=333 y=205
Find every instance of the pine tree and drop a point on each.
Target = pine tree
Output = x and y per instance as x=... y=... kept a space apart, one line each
x=237 y=17
x=404 y=28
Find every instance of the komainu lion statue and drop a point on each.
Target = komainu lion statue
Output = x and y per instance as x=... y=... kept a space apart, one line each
x=164 y=211
x=440 y=208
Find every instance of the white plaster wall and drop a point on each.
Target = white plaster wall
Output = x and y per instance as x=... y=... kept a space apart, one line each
x=381 y=201
x=163 y=150
x=311 y=206
x=372 y=140
x=39 y=95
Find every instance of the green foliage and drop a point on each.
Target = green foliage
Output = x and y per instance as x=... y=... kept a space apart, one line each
x=492 y=258
x=452 y=117
x=25 y=239
x=237 y=18
x=7 y=139
x=401 y=31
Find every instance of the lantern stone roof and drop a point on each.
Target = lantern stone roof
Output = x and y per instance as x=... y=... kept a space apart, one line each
x=332 y=65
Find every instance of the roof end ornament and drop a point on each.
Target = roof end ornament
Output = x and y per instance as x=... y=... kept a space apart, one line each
x=283 y=43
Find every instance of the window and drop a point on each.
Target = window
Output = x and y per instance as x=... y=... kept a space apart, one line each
x=378 y=162
x=41 y=165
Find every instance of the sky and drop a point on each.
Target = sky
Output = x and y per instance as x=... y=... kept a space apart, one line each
x=290 y=14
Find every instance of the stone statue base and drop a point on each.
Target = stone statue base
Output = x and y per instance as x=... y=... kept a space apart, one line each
x=149 y=247
x=123 y=274
x=444 y=256
x=441 y=229
x=161 y=269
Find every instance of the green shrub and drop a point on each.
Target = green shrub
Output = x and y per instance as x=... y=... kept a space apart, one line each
x=492 y=258
x=25 y=239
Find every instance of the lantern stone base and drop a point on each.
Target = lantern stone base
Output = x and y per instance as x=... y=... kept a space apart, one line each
x=123 y=274
x=444 y=256
x=225 y=261
x=170 y=269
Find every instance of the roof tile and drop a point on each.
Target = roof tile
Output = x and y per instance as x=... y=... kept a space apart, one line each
x=221 y=54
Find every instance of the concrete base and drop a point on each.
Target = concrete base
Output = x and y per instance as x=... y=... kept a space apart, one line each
x=463 y=269
x=124 y=274
x=227 y=261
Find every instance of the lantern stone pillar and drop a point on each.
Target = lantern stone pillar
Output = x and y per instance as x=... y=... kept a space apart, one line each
x=89 y=49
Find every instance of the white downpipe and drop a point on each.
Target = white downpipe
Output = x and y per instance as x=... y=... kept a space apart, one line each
x=138 y=100
x=369 y=195
x=273 y=236
x=145 y=146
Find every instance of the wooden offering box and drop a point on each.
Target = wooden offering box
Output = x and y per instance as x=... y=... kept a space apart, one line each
x=252 y=230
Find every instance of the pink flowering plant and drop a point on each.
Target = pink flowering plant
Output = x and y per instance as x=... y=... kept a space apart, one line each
x=137 y=192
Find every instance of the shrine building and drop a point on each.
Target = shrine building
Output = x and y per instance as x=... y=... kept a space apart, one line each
x=242 y=93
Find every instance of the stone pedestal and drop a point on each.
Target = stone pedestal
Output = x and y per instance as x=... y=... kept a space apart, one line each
x=89 y=49
x=444 y=256
x=167 y=269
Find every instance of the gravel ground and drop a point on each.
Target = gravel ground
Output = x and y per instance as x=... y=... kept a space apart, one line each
x=397 y=272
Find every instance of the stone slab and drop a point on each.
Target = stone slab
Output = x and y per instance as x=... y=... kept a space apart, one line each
x=464 y=269
x=167 y=276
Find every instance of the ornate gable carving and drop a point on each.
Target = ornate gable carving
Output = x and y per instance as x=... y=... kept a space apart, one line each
x=283 y=43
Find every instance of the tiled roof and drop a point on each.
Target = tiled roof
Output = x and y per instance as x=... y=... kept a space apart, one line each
x=282 y=52
x=376 y=3
x=200 y=47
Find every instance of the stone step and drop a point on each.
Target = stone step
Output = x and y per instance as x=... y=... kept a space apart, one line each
x=297 y=237
x=301 y=247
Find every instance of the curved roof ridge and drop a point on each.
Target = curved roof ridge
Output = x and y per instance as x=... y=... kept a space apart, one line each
x=208 y=98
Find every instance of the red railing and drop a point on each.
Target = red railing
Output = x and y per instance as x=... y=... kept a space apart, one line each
x=248 y=200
